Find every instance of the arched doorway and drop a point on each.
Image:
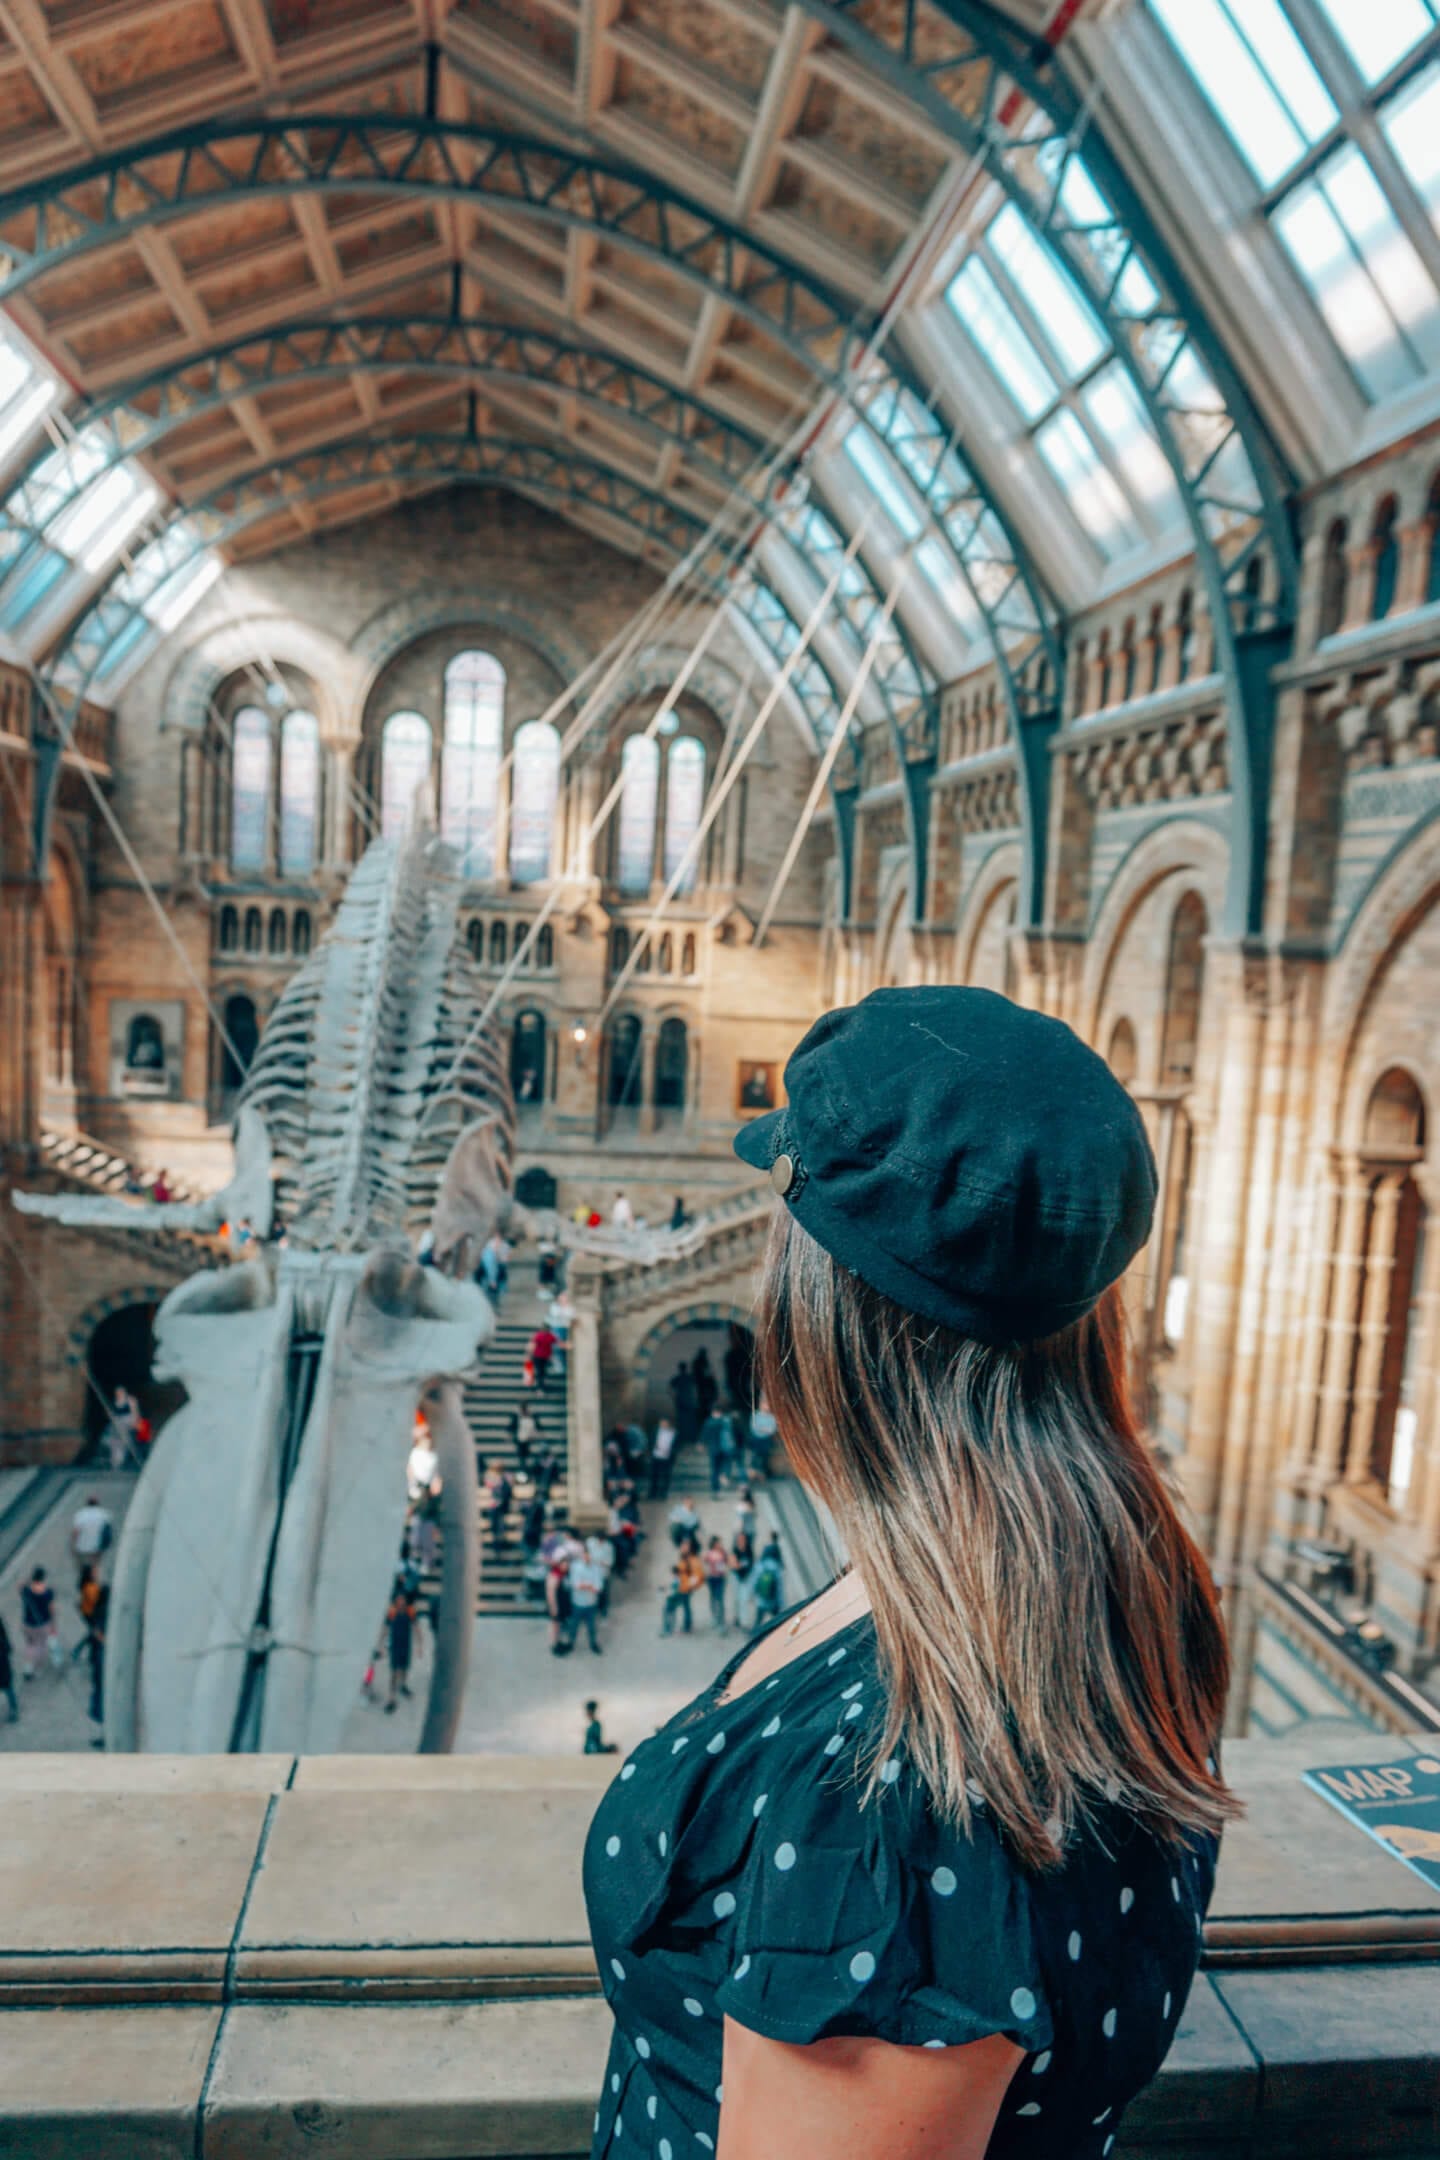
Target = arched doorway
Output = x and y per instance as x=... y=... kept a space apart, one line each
x=623 y=1076
x=121 y=1354
x=671 y=1069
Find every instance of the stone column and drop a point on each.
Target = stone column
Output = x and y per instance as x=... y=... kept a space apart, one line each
x=649 y=1045
x=585 y=1459
x=340 y=805
x=1304 y=1395
x=1415 y=542
x=1360 y=563
x=1374 y=1326
x=1422 y=1504
x=1339 y=1327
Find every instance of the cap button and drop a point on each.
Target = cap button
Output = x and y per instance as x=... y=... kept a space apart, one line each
x=782 y=1174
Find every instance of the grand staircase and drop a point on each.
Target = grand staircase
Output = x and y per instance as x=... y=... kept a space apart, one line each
x=489 y=1400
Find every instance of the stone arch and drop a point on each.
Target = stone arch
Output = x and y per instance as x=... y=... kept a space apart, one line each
x=324 y=659
x=77 y=1341
x=717 y=1311
x=1400 y=900
x=1177 y=847
x=1000 y=869
x=404 y=622
x=713 y=683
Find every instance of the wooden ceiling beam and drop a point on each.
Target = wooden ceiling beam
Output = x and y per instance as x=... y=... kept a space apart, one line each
x=779 y=108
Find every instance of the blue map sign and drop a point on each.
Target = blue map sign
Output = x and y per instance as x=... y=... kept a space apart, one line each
x=1396 y=1803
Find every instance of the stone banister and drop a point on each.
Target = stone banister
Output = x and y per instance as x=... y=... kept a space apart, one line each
x=386 y=1957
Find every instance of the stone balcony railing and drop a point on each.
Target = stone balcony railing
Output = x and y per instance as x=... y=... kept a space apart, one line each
x=386 y=1959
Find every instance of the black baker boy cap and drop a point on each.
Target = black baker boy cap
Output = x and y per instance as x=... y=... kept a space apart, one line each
x=969 y=1158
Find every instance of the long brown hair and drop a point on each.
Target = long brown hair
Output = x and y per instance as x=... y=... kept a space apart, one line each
x=1048 y=1630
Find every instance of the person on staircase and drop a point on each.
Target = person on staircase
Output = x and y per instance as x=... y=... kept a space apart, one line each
x=716 y=1563
x=542 y=1349
x=502 y=1492
x=524 y=1432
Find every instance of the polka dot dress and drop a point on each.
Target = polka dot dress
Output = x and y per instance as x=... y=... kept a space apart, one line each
x=731 y=1871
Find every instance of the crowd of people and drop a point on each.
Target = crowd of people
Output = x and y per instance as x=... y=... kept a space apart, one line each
x=92 y=1533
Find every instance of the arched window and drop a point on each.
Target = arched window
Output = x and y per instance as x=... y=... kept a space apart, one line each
x=1184 y=986
x=623 y=1079
x=534 y=792
x=684 y=801
x=1122 y=1057
x=1127 y=660
x=300 y=933
x=619 y=948
x=639 y=800
x=475 y=939
x=1102 y=671
x=667 y=955
x=1080 y=668
x=671 y=1058
x=527 y=1057
x=470 y=768
x=687 y=954
x=299 y=792
x=1334 y=578
x=144 y=1045
x=279 y=932
x=497 y=944
x=645 y=959
x=229 y=930
x=1155 y=639
x=1185 y=624
x=405 y=755
x=1387 y=559
x=242 y=1031
x=249 y=788
x=254 y=931
x=545 y=947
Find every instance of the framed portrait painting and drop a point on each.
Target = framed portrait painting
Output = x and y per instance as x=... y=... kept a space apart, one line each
x=757 y=1086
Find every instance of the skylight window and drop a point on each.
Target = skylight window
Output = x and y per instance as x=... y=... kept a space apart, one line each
x=1298 y=104
x=26 y=394
x=93 y=529
x=880 y=476
x=995 y=327
x=1074 y=334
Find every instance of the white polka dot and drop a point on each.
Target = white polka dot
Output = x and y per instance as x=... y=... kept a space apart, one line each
x=1108 y=2143
x=642 y=2048
x=847 y=1692
x=1112 y=1790
x=890 y=1771
x=614 y=2081
x=1127 y=1898
x=665 y=2149
x=617 y=1968
x=707 y=2142
x=664 y=1843
x=719 y=2096
x=1022 y=2002
x=619 y=2127
x=977 y=1798
x=1165 y=2006
x=935 y=2043
x=677 y=1745
x=597 y=2122
x=724 y=1905
x=1040 y=2065
x=1107 y=2024
x=1175 y=1888
x=835 y=1656
x=1103 y=2116
x=1055 y=1830
x=1073 y=1946
x=771 y=1729
x=743 y=1967
x=760 y=1804
x=1031 y=2107
x=1210 y=1765
x=862 y=1966
x=785 y=1857
x=854 y=1709
x=773 y=1683
x=612 y=1846
x=627 y=1772
x=693 y=2008
x=715 y=1746
x=652 y=2107
x=944 y=1882
x=834 y=1744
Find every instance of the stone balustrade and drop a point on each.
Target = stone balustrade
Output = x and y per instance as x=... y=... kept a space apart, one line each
x=386 y=1958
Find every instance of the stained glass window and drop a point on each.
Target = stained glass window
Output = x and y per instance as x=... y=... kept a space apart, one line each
x=639 y=801
x=470 y=768
x=299 y=792
x=684 y=801
x=534 y=792
x=249 y=788
x=405 y=752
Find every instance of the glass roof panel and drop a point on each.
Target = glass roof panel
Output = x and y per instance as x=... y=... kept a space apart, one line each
x=992 y=323
x=1379 y=33
x=1088 y=487
x=1065 y=316
x=1249 y=61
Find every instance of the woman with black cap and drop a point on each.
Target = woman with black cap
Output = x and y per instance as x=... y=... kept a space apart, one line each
x=922 y=1877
